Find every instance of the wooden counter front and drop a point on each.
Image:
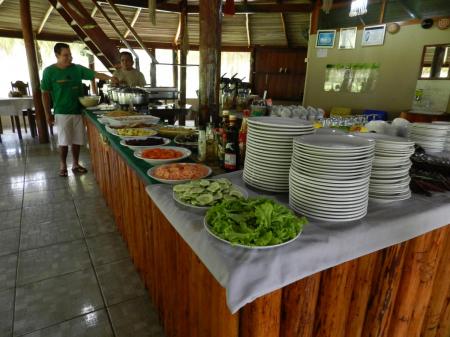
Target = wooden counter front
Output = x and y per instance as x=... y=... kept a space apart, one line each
x=400 y=291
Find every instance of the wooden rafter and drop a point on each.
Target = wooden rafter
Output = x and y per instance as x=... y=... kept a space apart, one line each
x=177 y=34
x=44 y=20
x=240 y=8
x=94 y=11
x=133 y=21
x=283 y=25
x=247 y=27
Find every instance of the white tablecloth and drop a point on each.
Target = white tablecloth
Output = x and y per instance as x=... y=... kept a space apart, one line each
x=248 y=274
x=13 y=106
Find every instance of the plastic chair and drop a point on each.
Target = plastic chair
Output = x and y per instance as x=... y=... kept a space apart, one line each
x=340 y=111
x=375 y=115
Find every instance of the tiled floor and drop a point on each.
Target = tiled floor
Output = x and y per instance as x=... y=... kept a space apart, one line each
x=64 y=269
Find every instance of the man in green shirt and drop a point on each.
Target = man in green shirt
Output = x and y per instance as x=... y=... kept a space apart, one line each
x=62 y=81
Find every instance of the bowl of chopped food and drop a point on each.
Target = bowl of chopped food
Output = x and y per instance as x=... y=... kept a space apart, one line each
x=144 y=142
x=162 y=155
x=199 y=195
x=188 y=140
x=89 y=101
x=254 y=223
x=177 y=173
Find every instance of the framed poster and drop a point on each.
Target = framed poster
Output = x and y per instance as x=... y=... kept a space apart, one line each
x=373 y=35
x=325 y=38
x=347 y=38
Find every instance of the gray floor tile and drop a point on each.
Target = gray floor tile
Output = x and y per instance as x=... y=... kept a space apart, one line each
x=8 y=264
x=84 y=178
x=10 y=219
x=51 y=301
x=99 y=222
x=107 y=248
x=46 y=197
x=83 y=191
x=7 y=189
x=64 y=210
x=94 y=324
x=120 y=281
x=45 y=185
x=10 y=202
x=135 y=318
x=41 y=263
x=6 y=312
x=88 y=206
x=9 y=241
x=51 y=232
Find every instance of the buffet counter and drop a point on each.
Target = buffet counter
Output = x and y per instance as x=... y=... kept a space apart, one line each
x=386 y=275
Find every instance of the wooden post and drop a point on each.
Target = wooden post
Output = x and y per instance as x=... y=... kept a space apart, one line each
x=27 y=29
x=183 y=52
x=315 y=18
x=153 y=68
x=210 y=42
x=175 y=68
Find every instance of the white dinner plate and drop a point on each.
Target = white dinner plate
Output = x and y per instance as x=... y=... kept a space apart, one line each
x=185 y=153
x=151 y=171
x=272 y=121
x=135 y=147
x=335 y=142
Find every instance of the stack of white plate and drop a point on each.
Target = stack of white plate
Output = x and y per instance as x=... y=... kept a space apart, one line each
x=389 y=179
x=269 y=151
x=433 y=137
x=329 y=176
x=447 y=140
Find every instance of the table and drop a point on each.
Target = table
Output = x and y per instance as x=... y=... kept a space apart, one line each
x=396 y=291
x=13 y=107
x=170 y=112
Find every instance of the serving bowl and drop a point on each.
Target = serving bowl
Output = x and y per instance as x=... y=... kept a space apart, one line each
x=185 y=153
x=89 y=101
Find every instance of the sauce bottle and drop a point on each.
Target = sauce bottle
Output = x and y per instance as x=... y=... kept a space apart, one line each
x=231 y=157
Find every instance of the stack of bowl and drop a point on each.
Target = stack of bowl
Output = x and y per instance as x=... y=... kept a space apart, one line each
x=433 y=137
x=389 y=179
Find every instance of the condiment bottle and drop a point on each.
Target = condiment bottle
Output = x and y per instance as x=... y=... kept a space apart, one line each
x=243 y=136
x=201 y=145
x=221 y=137
x=231 y=158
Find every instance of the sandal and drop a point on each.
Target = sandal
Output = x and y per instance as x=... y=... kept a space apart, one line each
x=79 y=170
x=63 y=172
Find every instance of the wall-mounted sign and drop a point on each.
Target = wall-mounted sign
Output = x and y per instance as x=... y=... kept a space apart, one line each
x=373 y=35
x=347 y=38
x=325 y=38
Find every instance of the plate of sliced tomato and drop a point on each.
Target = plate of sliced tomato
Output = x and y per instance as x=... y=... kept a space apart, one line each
x=162 y=154
x=176 y=173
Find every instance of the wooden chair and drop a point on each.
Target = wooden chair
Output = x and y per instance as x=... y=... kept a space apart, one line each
x=24 y=89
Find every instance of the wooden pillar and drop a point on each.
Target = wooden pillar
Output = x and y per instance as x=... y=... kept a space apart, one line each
x=210 y=43
x=183 y=52
x=315 y=18
x=175 y=60
x=30 y=48
x=153 y=68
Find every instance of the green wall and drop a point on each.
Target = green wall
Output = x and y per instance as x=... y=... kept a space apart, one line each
x=399 y=60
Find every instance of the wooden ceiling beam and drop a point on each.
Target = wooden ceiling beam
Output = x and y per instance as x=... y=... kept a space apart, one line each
x=133 y=21
x=283 y=25
x=247 y=28
x=244 y=8
x=44 y=20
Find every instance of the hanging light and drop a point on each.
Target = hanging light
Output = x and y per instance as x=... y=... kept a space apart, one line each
x=359 y=7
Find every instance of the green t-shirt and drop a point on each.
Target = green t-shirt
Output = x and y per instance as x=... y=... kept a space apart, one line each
x=65 y=87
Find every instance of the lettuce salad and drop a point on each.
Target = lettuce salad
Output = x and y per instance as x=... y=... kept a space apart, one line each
x=254 y=222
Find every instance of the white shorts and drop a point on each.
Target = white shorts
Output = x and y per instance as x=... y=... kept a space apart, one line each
x=70 y=129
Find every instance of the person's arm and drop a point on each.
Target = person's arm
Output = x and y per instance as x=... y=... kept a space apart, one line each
x=105 y=77
x=142 y=82
x=48 y=111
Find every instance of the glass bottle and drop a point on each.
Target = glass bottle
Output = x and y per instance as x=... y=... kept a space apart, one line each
x=221 y=137
x=231 y=157
x=243 y=136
